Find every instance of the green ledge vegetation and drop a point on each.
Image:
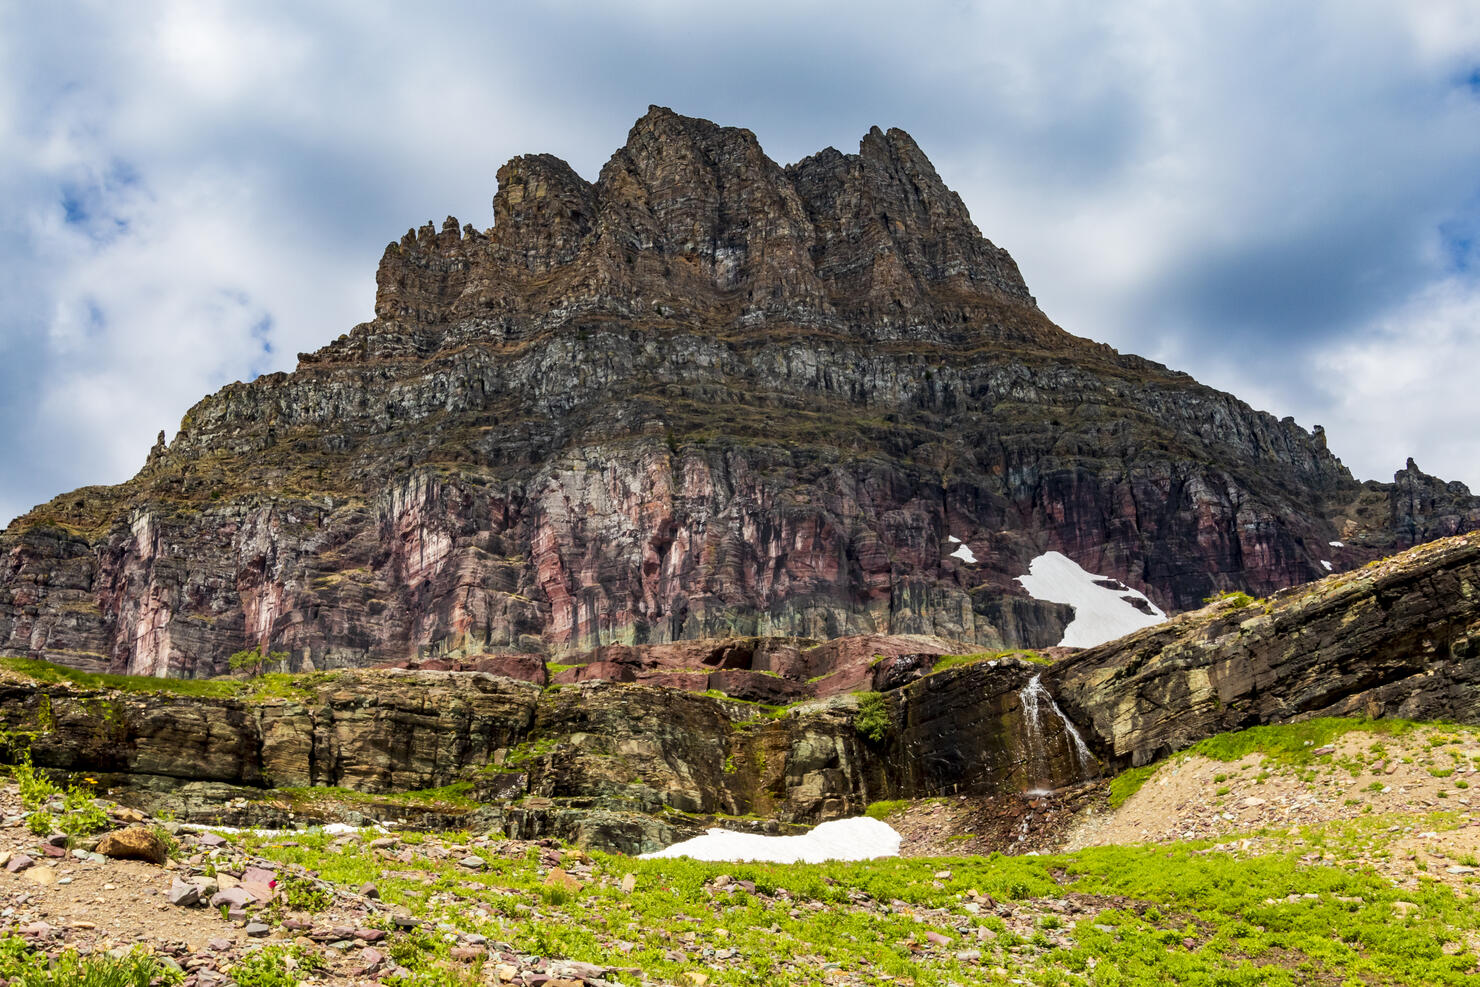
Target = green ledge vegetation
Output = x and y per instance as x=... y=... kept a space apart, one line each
x=957 y=661
x=45 y=671
x=272 y=685
x=456 y=796
x=1232 y=599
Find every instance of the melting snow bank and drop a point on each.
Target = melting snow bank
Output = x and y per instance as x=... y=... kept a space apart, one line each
x=859 y=838
x=1104 y=609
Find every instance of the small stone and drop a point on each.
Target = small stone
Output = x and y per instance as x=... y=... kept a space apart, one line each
x=210 y=839
x=218 y=945
x=575 y=970
x=558 y=878
x=258 y=875
x=232 y=898
x=258 y=929
x=937 y=938
x=473 y=863
x=236 y=914
x=18 y=863
x=942 y=875
x=41 y=874
x=373 y=960
x=369 y=890
x=134 y=843
x=506 y=972
x=369 y=935
x=183 y=894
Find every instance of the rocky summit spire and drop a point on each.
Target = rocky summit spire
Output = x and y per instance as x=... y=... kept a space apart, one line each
x=701 y=396
x=692 y=221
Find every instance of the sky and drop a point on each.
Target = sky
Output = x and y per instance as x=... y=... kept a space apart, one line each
x=1281 y=199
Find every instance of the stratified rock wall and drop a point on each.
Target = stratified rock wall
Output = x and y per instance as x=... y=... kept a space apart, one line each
x=701 y=396
x=599 y=745
x=1400 y=637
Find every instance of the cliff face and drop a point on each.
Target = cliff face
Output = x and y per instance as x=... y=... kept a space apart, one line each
x=1400 y=637
x=607 y=760
x=617 y=758
x=704 y=395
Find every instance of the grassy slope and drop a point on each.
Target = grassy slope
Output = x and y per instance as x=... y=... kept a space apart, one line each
x=1187 y=913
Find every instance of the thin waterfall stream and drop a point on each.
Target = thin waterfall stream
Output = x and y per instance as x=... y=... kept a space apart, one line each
x=1033 y=697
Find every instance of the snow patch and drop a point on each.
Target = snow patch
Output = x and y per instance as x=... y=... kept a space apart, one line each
x=1336 y=544
x=1100 y=613
x=964 y=554
x=1326 y=564
x=859 y=838
x=953 y=539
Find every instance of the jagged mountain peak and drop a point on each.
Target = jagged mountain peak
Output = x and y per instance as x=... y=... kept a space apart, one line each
x=692 y=221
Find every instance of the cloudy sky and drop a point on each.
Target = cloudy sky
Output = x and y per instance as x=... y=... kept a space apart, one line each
x=1282 y=199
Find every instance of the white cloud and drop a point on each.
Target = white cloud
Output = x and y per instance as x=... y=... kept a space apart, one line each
x=1249 y=192
x=1407 y=383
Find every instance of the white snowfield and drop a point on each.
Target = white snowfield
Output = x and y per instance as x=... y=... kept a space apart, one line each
x=964 y=553
x=1100 y=614
x=859 y=838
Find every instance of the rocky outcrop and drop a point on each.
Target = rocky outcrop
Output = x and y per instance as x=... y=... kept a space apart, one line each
x=1400 y=637
x=616 y=757
x=600 y=758
x=701 y=396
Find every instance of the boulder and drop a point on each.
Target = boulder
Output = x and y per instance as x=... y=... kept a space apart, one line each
x=133 y=843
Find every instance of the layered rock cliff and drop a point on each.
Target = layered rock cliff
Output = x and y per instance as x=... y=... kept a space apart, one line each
x=635 y=765
x=1397 y=637
x=704 y=395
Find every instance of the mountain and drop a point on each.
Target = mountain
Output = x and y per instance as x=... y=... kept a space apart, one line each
x=703 y=396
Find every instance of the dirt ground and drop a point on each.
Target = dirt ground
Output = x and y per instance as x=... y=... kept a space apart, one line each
x=1409 y=800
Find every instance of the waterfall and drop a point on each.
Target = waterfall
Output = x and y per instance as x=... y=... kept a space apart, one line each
x=1033 y=697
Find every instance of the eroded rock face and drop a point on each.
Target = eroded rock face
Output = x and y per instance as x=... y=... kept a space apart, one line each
x=1397 y=638
x=601 y=758
x=703 y=395
x=615 y=759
